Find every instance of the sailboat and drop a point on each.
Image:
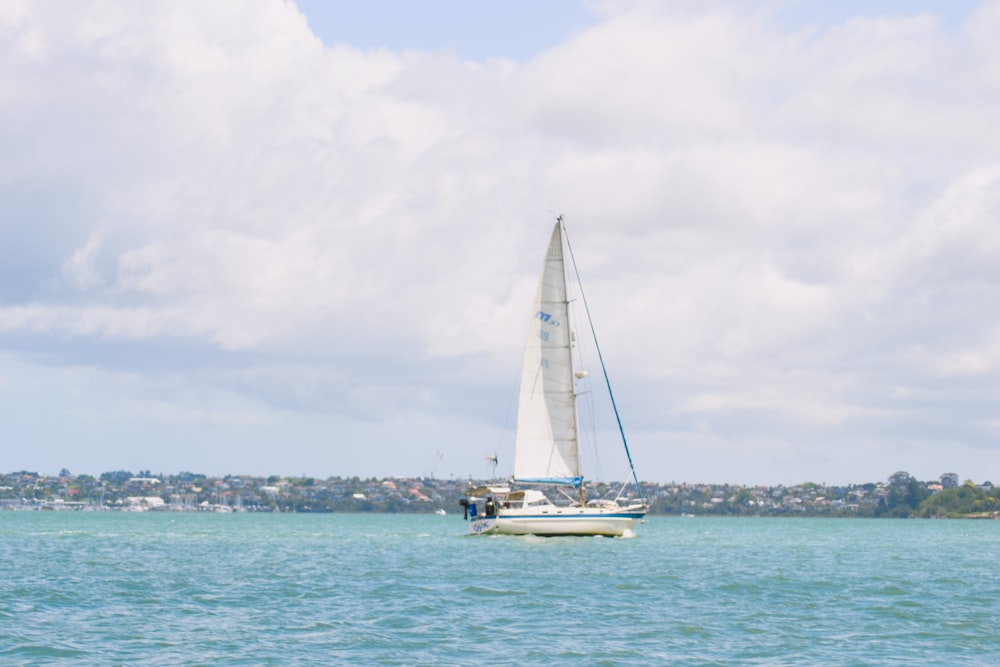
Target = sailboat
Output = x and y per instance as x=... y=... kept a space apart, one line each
x=546 y=443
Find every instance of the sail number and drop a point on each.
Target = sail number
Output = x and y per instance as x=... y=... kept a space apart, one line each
x=547 y=318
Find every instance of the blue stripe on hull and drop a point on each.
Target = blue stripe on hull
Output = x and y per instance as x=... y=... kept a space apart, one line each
x=563 y=517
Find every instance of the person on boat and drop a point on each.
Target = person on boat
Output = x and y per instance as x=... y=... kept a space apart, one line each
x=491 y=508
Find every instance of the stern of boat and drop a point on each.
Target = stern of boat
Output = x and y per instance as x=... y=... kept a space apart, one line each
x=483 y=525
x=480 y=507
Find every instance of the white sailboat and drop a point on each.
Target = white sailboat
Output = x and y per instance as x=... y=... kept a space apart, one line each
x=546 y=448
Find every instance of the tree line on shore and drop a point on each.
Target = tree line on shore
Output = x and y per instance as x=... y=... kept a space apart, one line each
x=902 y=495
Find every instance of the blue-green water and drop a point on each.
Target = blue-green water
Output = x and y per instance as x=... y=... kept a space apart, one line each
x=252 y=589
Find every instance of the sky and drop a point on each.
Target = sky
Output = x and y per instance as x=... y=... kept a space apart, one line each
x=261 y=237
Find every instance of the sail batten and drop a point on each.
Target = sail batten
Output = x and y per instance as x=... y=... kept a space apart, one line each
x=546 y=445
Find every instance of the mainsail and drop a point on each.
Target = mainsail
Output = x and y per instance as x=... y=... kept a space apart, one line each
x=546 y=448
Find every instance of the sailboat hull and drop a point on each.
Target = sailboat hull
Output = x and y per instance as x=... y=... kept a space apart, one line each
x=561 y=521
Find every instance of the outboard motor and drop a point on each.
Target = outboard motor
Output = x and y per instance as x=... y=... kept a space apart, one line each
x=464 y=502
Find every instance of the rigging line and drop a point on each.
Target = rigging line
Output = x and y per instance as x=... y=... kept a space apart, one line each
x=589 y=412
x=600 y=357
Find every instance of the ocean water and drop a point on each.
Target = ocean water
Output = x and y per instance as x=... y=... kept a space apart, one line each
x=338 y=589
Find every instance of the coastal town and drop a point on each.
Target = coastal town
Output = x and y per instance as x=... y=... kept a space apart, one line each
x=901 y=495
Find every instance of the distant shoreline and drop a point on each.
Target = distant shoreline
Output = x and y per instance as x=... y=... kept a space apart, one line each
x=902 y=496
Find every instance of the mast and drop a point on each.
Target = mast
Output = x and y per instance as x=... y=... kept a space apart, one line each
x=582 y=490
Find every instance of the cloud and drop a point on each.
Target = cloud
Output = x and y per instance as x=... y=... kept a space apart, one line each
x=780 y=223
x=79 y=271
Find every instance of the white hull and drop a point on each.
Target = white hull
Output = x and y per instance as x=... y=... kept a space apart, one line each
x=561 y=521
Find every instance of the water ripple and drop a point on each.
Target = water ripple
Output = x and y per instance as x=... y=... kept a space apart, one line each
x=105 y=588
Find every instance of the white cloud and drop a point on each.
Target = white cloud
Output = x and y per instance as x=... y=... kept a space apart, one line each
x=790 y=225
x=79 y=271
